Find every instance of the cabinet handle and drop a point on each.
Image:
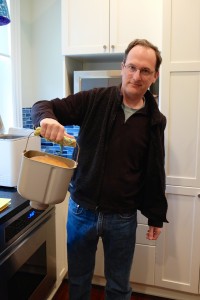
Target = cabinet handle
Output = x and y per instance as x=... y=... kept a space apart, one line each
x=104 y=47
x=112 y=47
x=198 y=195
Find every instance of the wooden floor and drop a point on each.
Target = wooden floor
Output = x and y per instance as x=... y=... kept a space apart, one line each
x=98 y=294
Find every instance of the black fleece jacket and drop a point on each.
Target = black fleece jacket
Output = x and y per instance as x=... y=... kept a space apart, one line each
x=139 y=182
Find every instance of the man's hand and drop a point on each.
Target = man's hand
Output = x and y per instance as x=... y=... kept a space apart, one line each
x=52 y=130
x=153 y=233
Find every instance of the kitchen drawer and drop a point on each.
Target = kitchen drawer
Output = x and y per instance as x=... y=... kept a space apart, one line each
x=143 y=265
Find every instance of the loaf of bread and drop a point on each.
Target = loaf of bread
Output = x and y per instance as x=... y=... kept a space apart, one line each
x=50 y=160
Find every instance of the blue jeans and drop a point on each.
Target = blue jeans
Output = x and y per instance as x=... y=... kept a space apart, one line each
x=118 y=232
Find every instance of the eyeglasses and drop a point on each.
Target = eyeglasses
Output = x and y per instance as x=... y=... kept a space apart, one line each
x=145 y=72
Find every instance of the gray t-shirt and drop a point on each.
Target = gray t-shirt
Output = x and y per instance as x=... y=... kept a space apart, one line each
x=128 y=111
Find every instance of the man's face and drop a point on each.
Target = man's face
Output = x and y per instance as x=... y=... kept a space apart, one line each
x=138 y=72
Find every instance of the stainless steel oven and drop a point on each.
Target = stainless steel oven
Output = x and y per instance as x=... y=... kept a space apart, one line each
x=27 y=250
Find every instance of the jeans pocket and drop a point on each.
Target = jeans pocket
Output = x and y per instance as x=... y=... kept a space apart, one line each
x=74 y=207
x=128 y=215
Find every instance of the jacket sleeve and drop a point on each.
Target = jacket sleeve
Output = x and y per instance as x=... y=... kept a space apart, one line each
x=67 y=111
x=71 y=110
x=154 y=204
x=40 y=111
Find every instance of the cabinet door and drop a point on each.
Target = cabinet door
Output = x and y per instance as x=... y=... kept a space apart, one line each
x=85 y=26
x=143 y=268
x=108 y=26
x=61 y=251
x=131 y=19
x=180 y=96
x=178 y=247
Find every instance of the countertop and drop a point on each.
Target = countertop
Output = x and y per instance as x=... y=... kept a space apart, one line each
x=17 y=203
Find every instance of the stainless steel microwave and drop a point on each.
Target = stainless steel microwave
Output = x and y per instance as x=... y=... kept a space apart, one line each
x=85 y=80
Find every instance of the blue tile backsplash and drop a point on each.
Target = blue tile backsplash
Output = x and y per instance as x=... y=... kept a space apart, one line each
x=48 y=146
x=26 y=118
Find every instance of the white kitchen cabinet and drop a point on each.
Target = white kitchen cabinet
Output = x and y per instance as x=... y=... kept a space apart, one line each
x=85 y=26
x=180 y=91
x=178 y=247
x=61 y=237
x=143 y=268
x=108 y=26
x=61 y=244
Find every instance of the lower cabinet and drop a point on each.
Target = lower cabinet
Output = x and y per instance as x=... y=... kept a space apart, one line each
x=61 y=249
x=143 y=269
x=178 y=248
x=61 y=238
x=143 y=265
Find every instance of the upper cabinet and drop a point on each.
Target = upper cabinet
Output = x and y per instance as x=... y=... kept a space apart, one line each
x=85 y=26
x=108 y=26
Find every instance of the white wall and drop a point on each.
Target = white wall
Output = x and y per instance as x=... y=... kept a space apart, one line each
x=41 y=59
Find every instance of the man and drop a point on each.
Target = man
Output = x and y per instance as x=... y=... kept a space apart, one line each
x=120 y=169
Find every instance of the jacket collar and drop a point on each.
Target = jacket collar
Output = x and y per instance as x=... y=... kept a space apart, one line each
x=151 y=106
x=154 y=112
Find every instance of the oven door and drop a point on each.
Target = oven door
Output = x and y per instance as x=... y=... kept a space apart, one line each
x=28 y=270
